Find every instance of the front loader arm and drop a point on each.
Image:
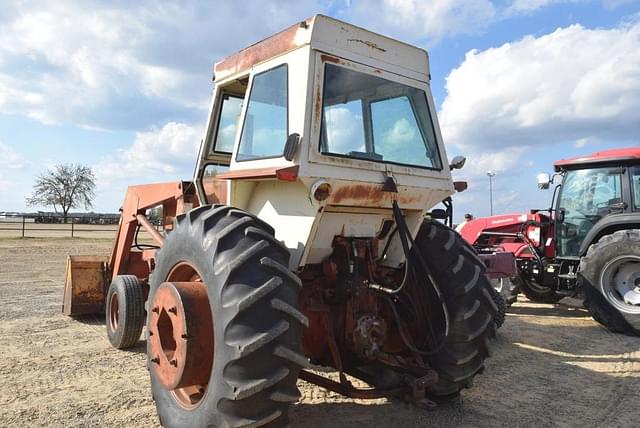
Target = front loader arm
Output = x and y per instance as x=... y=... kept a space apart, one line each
x=175 y=198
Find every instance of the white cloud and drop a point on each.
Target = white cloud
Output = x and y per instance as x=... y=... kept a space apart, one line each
x=9 y=158
x=121 y=64
x=557 y=92
x=572 y=84
x=344 y=129
x=161 y=154
x=520 y=7
x=431 y=20
x=580 y=143
x=167 y=150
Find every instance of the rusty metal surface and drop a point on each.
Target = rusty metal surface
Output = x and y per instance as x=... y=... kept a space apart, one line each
x=175 y=198
x=85 y=285
x=370 y=194
x=181 y=335
x=270 y=47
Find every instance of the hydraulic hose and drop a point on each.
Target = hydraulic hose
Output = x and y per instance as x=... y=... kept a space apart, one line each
x=405 y=239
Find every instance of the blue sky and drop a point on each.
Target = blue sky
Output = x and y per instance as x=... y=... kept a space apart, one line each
x=125 y=89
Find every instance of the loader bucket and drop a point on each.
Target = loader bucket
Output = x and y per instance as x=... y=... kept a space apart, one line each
x=85 y=285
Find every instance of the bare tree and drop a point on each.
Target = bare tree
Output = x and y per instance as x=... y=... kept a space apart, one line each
x=66 y=186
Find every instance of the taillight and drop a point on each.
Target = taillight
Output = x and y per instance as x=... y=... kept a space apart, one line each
x=287 y=174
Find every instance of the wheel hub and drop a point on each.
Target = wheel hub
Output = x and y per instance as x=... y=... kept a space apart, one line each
x=114 y=312
x=181 y=335
x=626 y=282
x=620 y=279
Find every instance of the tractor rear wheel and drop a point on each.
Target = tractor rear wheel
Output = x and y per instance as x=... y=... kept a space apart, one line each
x=466 y=291
x=610 y=279
x=224 y=345
x=536 y=292
x=124 y=311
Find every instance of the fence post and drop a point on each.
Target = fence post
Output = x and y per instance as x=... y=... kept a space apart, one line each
x=23 y=221
x=72 y=223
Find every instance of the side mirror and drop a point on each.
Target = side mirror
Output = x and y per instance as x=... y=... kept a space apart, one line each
x=457 y=162
x=439 y=214
x=460 y=186
x=543 y=181
x=291 y=146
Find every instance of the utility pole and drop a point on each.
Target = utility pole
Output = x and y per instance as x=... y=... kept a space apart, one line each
x=491 y=174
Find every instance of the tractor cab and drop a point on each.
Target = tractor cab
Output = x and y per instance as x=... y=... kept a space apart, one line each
x=600 y=190
x=319 y=122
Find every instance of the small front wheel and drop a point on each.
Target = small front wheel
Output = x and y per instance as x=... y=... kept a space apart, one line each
x=536 y=292
x=125 y=311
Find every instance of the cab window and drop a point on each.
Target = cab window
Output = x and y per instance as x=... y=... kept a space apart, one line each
x=227 y=123
x=372 y=118
x=264 y=131
x=635 y=186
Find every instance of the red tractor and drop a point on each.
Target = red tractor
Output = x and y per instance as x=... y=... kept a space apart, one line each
x=587 y=244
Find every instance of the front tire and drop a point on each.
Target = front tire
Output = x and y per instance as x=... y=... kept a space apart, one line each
x=536 y=292
x=255 y=321
x=507 y=289
x=610 y=280
x=124 y=311
x=501 y=315
x=466 y=291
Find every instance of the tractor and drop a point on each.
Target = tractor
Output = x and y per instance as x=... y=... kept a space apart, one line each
x=586 y=245
x=303 y=245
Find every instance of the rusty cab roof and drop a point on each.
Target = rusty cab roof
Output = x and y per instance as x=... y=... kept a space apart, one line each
x=613 y=156
x=335 y=37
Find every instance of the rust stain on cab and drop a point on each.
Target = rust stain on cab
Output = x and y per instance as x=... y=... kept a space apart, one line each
x=368 y=43
x=372 y=194
x=329 y=58
x=265 y=49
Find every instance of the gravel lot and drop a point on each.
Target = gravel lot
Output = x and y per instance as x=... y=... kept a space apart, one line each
x=552 y=365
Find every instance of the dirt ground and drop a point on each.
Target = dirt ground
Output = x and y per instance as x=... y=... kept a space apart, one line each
x=552 y=365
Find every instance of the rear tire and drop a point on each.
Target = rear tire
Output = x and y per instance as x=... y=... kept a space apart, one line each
x=125 y=311
x=536 y=292
x=257 y=327
x=465 y=289
x=599 y=281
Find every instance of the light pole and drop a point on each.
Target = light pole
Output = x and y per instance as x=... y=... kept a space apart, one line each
x=491 y=174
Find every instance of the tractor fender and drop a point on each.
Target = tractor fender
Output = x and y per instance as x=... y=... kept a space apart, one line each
x=608 y=225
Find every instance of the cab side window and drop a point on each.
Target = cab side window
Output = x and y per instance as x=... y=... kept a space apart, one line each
x=264 y=131
x=635 y=186
x=227 y=124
